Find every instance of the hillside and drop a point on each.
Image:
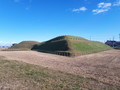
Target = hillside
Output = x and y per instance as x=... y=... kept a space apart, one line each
x=70 y=46
x=24 y=45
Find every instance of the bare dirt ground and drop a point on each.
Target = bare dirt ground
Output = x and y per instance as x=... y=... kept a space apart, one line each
x=3 y=48
x=103 y=66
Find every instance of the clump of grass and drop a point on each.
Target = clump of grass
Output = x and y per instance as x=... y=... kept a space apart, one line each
x=22 y=76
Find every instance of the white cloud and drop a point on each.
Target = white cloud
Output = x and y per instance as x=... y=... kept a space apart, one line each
x=80 y=9
x=117 y=3
x=97 y=11
x=102 y=7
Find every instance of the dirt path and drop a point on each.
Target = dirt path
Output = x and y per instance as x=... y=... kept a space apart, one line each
x=104 y=66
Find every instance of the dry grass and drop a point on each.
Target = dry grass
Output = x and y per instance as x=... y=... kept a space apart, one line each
x=16 y=75
x=103 y=66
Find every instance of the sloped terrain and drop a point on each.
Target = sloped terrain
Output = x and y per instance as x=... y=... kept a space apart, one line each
x=103 y=67
x=16 y=75
x=58 y=44
x=24 y=45
x=70 y=46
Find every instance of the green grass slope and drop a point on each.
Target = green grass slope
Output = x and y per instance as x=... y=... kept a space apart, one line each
x=53 y=45
x=24 y=45
x=16 y=75
x=71 y=46
x=87 y=47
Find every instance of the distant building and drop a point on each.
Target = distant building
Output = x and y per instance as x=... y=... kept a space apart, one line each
x=114 y=44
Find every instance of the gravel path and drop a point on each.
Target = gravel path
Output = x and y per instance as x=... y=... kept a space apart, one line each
x=104 y=66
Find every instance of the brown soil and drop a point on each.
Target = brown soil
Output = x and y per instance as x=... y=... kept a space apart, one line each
x=3 y=48
x=104 y=66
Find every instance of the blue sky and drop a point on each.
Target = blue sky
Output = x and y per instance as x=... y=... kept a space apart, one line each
x=41 y=20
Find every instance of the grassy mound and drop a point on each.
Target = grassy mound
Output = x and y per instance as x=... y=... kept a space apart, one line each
x=16 y=75
x=56 y=44
x=70 y=46
x=24 y=45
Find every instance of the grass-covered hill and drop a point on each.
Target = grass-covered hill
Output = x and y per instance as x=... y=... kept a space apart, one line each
x=70 y=46
x=24 y=45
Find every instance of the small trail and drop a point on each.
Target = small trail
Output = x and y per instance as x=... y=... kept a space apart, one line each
x=104 y=66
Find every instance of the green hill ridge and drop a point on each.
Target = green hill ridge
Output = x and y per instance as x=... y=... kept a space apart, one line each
x=24 y=45
x=70 y=46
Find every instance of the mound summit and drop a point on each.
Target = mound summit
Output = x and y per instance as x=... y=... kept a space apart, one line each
x=70 y=46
